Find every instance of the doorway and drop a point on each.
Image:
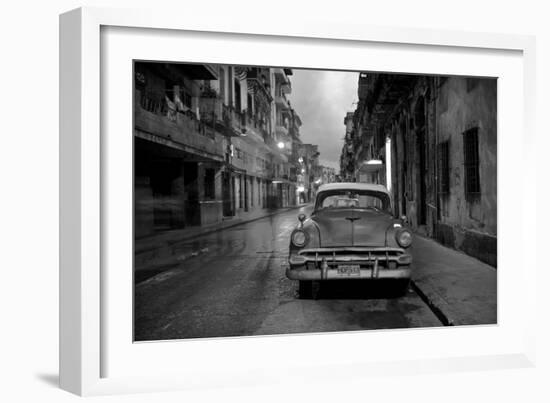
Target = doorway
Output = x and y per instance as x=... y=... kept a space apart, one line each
x=226 y=195
x=420 y=124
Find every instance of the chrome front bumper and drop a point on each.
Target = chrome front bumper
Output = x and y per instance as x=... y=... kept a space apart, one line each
x=368 y=263
x=302 y=273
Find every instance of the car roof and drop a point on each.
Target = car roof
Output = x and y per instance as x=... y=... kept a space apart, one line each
x=353 y=186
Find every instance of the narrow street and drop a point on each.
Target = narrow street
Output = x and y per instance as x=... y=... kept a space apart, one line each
x=227 y=156
x=237 y=286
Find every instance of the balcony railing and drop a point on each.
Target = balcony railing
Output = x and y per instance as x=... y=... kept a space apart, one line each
x=281 y=130
x=258 y=81
x=234 y=120
x=211 y=111
x=281 y=101
x=159 y=118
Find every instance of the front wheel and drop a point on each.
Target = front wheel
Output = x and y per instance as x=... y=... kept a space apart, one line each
x=315 y=289
x=309 y=289
x=304 y=289
x=402 y=286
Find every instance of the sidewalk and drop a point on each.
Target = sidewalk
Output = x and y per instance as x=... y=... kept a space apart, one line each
x=160 y=251
x=462 y=288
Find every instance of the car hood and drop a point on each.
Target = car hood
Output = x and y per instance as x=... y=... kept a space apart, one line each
x=352 y=227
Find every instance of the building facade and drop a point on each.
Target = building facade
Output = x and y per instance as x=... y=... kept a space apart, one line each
x=307 y=163
x=435 y=139
x=211 y=142
x=347 y=156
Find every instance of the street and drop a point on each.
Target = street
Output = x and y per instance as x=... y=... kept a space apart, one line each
x=236 y=285
x=227 y=156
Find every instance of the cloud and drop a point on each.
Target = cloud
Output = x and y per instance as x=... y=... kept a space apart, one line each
x=322 y=99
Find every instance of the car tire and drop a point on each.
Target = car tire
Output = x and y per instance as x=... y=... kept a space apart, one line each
x=315 y=289
x=402 y=286
x=304 y=289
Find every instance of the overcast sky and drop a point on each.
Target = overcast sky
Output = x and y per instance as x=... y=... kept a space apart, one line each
x=322 y=99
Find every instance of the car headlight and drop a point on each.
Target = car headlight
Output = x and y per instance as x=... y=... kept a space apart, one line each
x=298 y=238
x=404 y=238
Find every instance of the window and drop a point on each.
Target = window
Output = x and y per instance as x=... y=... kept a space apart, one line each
x=471 y=163
x=241 y=191
x=249 y=105
x=186 y=99
x=360 y=199
x=443 y=167
x=238 y=105
x=251 y=191
x=259 y=187
x=222 y=84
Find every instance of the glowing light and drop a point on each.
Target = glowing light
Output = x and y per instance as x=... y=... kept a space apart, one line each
x=374 y=162
x=388 y=164
x=280 y=144
x=300 y=188
x=300 y=160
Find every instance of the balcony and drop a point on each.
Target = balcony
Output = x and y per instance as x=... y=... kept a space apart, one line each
x=156 y=121
x=281 y=101
x=281 y=131
x=367 y=133
x=258 y=82
x=234 y=121
x=211 y=111
x=281 y=74
x=196 y=71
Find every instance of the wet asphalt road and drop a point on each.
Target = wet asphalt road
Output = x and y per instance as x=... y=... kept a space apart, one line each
x=237 y=287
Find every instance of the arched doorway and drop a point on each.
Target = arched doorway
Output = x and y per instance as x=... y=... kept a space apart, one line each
x=404 y=164
x=420 y=130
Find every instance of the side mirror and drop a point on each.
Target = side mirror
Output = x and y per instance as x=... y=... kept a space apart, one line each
x=302 y=218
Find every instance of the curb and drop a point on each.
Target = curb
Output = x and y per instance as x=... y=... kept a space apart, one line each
x=438 y=312
x=429 y=238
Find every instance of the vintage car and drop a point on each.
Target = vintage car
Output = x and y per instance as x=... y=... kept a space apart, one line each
x=351 y=234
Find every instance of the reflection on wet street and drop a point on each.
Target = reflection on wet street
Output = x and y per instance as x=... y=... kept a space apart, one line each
x=232 y=283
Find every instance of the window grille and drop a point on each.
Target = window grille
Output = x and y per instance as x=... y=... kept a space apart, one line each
x=471 y=163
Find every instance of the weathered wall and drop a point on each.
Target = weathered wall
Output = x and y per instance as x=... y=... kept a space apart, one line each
x=443 y=109
x=469 y=224
x=458 y=111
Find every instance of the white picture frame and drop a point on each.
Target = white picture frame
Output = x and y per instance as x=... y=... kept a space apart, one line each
x=86 y=315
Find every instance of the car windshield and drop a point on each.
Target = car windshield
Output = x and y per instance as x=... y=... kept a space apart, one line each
x=346 y=198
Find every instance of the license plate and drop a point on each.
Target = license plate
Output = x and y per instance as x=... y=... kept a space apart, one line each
x=349 y=269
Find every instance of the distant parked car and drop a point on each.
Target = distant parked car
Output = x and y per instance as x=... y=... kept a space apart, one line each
x=351 y=234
